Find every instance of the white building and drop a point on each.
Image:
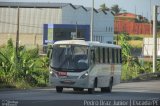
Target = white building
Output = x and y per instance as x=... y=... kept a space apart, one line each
x=34 y=15
x=148 y=47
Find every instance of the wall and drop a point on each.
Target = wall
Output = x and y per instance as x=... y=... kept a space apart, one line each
x=148 y=47
x=132 y=27
x=31 y=19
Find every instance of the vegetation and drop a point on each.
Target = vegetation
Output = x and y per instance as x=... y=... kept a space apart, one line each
x=130 y=63
x=132 y=66
x=26 y=68
x=115 y=8
x=103 y=7
x=22 y=69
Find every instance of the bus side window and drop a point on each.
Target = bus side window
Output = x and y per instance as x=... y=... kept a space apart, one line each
x=110 y=55
x=104 y=56
x=113 y=55
x=120 y=53
x=116 y=56
x=97 y=55
x=101 y=55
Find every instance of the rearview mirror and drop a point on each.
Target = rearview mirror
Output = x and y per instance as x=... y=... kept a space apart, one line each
x=92 y=56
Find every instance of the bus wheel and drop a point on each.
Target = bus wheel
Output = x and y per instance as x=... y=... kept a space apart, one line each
x=59 y=89
x=75 y=89
x=78 y=89
x=109 y=89
x=90 y=90
x=104 y=89
x=81 y=89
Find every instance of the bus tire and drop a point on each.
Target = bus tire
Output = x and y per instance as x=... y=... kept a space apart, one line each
x=91 y=90
x=109 y=89
x=78 y=89
x=81 y=89
x=59 y=89
x=104 y=89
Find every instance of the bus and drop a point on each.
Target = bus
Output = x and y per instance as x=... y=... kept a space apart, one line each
x=80 y=65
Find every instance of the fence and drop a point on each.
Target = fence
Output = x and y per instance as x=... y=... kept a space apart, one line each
x=131 y=27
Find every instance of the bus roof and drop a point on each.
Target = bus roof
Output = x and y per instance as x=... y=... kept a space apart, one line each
x=87 y=43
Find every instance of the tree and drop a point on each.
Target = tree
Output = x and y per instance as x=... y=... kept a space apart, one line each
x=29 y=67
x=131 y=66
x=103 y=7
x=115 y=8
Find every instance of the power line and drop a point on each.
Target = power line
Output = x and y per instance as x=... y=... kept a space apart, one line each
x=3 y=22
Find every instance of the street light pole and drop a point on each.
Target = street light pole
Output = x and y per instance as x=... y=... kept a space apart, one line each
x=92 y=22
x=17 y=36
x=154 y=38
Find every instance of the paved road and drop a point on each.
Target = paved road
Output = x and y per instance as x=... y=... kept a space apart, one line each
x=123 y=94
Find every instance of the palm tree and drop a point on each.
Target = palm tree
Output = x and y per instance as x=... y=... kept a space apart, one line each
x=103 y=7
x=115 y=8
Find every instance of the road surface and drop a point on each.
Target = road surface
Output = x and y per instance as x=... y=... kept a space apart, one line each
x=125 y=94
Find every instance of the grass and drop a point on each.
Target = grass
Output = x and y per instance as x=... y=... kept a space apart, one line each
x=136 y=43
x=21 y=84
x=148 y=76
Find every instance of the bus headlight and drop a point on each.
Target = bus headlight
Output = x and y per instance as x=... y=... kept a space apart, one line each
x=84 y=75
x=52 y=72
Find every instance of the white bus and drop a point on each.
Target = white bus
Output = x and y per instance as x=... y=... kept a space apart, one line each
x=83 y=65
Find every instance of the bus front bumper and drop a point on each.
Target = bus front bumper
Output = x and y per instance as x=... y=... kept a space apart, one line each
x=70 y=83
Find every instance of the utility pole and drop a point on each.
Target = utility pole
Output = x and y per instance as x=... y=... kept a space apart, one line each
x=92 y=22
x=151 y=18
x=17 y=36
x=154 y=38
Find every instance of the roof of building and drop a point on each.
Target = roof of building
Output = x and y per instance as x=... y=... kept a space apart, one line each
x=127 y=15
x=33 y=4
x=45 y=5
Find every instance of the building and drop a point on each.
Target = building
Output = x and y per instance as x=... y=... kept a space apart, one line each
x=126 y=16
x=33 y=15
x=148 y=47
x=132 y=24
x=56 y=32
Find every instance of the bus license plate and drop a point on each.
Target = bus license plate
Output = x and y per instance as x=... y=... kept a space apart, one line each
x=62 y=73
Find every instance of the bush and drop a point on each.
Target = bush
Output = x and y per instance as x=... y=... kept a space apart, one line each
x=22 y=67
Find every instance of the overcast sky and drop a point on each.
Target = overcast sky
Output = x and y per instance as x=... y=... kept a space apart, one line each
x=140 y=7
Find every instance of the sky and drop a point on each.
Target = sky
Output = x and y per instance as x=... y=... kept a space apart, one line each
x=140 y=7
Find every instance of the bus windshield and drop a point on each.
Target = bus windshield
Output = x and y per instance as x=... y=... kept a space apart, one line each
x=69 y=58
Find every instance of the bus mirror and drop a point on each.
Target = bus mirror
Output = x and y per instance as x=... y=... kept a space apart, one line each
x=93 y=55
x=50 y=47
x=49 y=51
